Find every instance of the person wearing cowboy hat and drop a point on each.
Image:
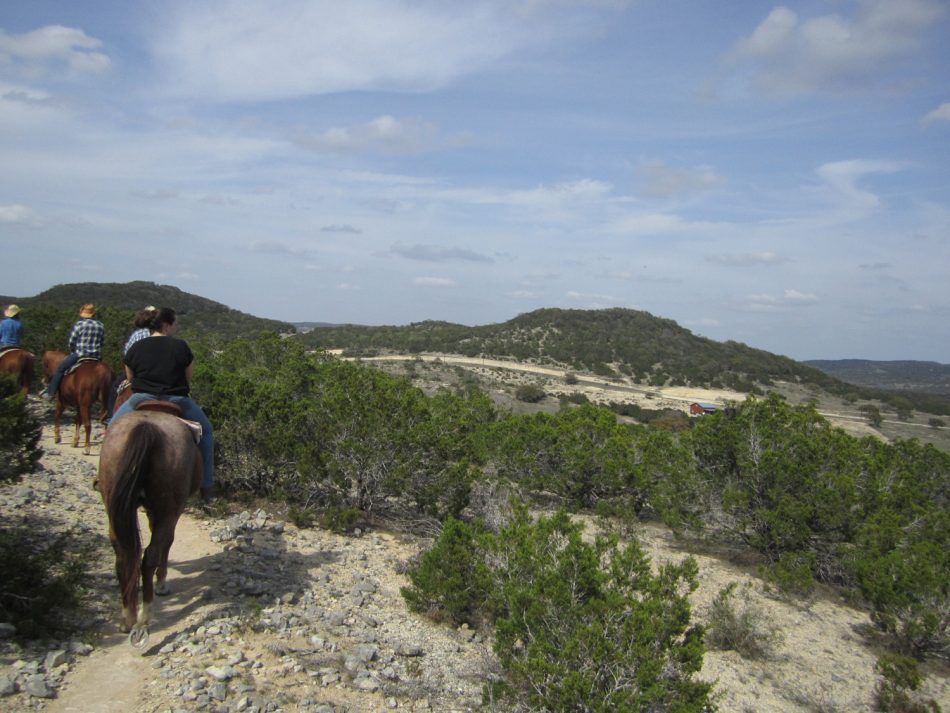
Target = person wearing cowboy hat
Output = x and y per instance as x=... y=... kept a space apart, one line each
x=85 y=341
x=11 y=329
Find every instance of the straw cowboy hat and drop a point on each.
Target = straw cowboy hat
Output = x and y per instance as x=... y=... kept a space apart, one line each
x=87 y=311
x=11 y=311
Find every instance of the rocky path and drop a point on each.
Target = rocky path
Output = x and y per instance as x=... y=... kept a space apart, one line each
x=262 y=617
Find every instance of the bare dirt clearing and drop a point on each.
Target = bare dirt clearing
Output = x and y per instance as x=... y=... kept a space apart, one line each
x=500 y=377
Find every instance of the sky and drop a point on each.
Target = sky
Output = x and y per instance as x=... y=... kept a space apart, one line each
x=773 y=174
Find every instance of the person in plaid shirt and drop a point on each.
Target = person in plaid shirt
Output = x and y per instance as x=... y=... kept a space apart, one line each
x=85 y=341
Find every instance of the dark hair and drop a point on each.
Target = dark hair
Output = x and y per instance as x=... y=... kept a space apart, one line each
x=144 y=317
x=166 y=315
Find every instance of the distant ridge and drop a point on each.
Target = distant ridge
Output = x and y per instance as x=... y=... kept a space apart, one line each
x=901 y=375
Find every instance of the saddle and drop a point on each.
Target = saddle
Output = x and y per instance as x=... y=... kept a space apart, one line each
x=172 y=409
x=4 y=350
x=81 y=360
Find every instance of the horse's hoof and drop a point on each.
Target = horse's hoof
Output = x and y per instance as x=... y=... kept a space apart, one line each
x=138 y=637
x=162 y=590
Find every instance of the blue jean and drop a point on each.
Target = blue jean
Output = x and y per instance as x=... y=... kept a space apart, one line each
x=189 y=410
x=70 y=359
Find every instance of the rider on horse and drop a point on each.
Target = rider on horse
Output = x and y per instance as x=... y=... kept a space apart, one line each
x=11 y=329
x=143 y=318
x=160 y=368
x=85 y=342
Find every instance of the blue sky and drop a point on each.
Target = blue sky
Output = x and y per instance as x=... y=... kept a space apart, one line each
x=773 y=174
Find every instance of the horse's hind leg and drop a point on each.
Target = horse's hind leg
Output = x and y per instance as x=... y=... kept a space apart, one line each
x=161 y=574
x=84 y=420
x=129 y=595
x=57 y=415
x=155 y=562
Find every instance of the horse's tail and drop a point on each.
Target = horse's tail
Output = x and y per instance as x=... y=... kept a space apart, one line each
x=132 y=472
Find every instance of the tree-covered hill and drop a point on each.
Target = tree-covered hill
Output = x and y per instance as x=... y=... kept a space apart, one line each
x=901 y=375
x=197 y=314
x=634 y=343
x=610 y=342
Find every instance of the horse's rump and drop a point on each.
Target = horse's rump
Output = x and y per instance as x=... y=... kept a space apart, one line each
x=149 y=459
x=51 y=360
x=18 y=362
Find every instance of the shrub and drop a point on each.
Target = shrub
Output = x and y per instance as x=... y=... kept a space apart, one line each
x=744 y=629
x=450 y=582
x=19 y=433
x=904 y=574
x=900 y=676
x=577 y=398
x=578 y=626
x=340 y=519
x=588 y=627
x=570 y=378
x=529 y=393
x=781 y=479
x=793 y=573
x=873 y=414
x=42 y=580
x=301 y=517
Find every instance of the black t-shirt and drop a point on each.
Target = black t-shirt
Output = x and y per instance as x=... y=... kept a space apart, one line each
x=158 y=366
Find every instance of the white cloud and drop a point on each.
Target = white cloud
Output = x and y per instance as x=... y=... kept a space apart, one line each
x=941 y=113
x=17 y=214
x=274 y=247
x=385 y=133
x=234 y=50
x=50 y=49
x=437 y=253
x=747 y=259
x=843 y=176
x=786 y=53
x=765 y=302
x=650 y=223
x=434 y=282
x=662 y=180
x=800 y=297
x=593 y=300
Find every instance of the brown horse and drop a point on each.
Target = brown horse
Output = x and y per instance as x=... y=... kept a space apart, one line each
x=89 y=382
x=18 y=362
x=50 y=361
x=148 y=458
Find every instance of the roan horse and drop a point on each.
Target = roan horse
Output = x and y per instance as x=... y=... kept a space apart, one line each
x=18 y=362
x=89 y=382
x=148 y=458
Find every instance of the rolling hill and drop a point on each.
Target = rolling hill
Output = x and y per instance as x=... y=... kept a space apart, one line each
x=198 y=314
x=610 y=343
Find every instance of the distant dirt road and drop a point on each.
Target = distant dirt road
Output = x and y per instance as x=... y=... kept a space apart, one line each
x=681 y=395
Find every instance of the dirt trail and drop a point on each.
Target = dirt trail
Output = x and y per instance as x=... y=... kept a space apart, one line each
x=114 y=676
